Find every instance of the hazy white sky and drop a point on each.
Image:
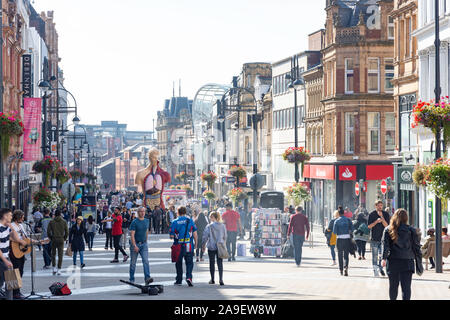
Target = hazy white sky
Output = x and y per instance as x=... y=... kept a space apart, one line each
x=121 y=57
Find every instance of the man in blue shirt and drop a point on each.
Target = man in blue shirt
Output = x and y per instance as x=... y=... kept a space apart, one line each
x=343 y=227
x=178 y=232
x=138 y=239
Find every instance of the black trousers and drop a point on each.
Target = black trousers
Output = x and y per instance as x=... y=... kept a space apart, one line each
x=343 y=246
x=157 y=225
x=404 y=278
x=17 y=264
x=108 y=238
x=212 y=256
x=118 y=247
x=361 y=247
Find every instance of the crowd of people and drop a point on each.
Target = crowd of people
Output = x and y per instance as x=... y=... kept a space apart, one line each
x=127 y=224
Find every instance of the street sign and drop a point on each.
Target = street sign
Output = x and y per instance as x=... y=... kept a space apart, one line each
x=409 y=158
x=229 y=180
x=383 y=186
x=357 y=189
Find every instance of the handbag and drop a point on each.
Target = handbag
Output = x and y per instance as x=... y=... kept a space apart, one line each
x=417 y=254
x=176 y=247
x=69 y=251
x=13 y=279
x=333 y=239
x=60 y=289
x=222 y=251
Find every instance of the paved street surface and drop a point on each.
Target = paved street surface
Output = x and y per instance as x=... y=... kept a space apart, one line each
x=247 y=278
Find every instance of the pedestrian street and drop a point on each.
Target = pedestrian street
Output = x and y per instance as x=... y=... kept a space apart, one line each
x=247 y=278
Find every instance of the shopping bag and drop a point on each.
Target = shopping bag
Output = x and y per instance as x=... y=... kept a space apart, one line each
x=13 y=279
x=333 y=239
x=222 y=251
x=69 y=251
x=175 y=252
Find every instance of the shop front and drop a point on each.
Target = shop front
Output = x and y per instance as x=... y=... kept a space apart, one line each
x=323 y=192
x=408 y=194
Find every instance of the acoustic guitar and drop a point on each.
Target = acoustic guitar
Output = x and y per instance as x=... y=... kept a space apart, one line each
x=19 y=250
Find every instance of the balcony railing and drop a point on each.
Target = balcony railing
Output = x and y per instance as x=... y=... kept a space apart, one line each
x=348 y=35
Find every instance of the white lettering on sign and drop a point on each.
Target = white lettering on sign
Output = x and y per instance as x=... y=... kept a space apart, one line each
x=347 y=174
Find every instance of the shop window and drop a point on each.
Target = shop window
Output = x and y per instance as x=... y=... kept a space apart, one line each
x=349 y=132
x=390 y=131
x=374 y=75
x=348 y=76
x=373 y=119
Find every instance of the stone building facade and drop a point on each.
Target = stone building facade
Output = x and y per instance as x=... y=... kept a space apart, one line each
x=358 y=120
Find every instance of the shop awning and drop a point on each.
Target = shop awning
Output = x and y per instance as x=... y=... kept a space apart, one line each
x=380 y=172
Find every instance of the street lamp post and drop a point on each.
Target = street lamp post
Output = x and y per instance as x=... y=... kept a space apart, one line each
x=221 y=108
x=437 y=92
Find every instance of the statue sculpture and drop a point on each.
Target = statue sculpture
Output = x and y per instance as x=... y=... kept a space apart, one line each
x=152 y=180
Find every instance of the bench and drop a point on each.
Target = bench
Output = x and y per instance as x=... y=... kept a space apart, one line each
x=431 y=251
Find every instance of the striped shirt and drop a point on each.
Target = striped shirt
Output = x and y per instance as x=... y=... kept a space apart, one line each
x=4 y=240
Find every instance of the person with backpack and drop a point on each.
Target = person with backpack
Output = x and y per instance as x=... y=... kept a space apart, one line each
x=331 y=237
x=361 y=235
x=214 y=233
x=401 y=246
x=343 y=228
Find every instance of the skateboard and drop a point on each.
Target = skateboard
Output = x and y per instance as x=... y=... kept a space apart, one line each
x=144 y=289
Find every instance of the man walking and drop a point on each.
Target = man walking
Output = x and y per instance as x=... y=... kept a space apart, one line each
x=343 y=227
x=138 y=236
x=378 y=220
x=57 y=232
x=298 y=226
x=47 y=252
x=184 y=232
x=232 y=221
x=157 y=214
x=117 y=234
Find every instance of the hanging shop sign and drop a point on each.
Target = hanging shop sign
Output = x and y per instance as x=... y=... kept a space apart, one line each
x=27 y=76
x=405 y=178
x=32 y=134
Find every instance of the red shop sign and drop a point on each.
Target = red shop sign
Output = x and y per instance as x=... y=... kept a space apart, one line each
x=324 y=172
x=379 y=172
x=347 y=173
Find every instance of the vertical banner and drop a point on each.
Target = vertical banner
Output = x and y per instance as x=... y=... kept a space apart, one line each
x=33 y=129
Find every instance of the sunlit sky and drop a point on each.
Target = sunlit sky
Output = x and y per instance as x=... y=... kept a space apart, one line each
x=120 y=58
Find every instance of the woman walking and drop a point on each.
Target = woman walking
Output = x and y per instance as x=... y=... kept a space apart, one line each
x=76 y=236
x=331 y=237
x=91 y=229
x=214 y=233
x=201 y=222
x=361 y=235
x=343 y=228
x=400 y=247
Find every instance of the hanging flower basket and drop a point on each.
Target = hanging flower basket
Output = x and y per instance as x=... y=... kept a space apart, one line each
x=296 y=155
x=209 y=178
x=10 y=125
x=298 y=193
x=435 y=176
x=62 y=175
x=46 y=199
x=48 y=167
x=77 y=174
x=209 y=195
x=434 y=116
x=237 y=171
x=420 y=175
x=181 y=176
x=237 y=195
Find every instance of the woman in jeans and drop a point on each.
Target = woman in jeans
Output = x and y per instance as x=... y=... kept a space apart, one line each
x=331 y=241
x=214 y=232
x=361 y=235
x=77 y=235
x=400 y=247
x=91 y=228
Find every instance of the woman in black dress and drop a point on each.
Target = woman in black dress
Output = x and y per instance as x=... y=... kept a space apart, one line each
x=400 y=247
x=77 y=237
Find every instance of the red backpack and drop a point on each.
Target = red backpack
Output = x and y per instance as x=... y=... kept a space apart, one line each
x=60 y=289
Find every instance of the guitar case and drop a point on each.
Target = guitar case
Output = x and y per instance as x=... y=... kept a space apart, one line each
x=149 y=289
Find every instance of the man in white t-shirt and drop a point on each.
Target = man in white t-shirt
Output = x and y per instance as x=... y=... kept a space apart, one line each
x=108 y=230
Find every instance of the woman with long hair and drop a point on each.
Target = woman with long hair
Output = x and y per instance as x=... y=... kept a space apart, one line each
x=361 y=235
x=400 y=246
x=77 y=237
x=214 y=233
x=201 y=222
